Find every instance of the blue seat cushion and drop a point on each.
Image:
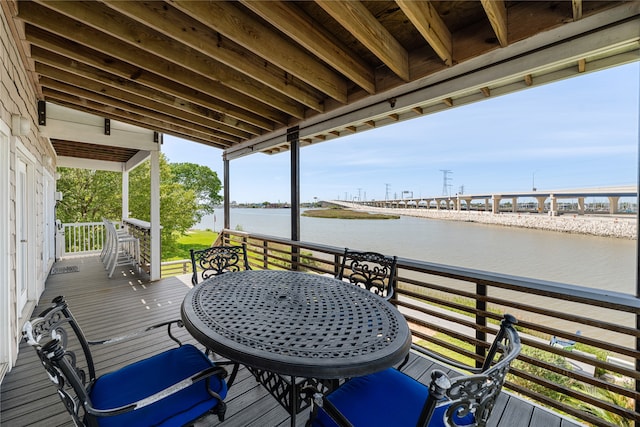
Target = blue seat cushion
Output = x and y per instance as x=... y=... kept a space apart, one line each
x=386 y=398
x=143 y=378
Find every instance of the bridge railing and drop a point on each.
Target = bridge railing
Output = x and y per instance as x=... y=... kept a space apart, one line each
x=590 y=374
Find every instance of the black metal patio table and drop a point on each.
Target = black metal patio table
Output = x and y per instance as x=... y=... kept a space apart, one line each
x=290 y=328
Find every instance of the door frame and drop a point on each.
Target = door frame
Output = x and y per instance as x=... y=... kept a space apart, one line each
x=23 y=155
x=6 y=331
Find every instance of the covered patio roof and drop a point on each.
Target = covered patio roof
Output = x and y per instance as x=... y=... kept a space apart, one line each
x=237 y=75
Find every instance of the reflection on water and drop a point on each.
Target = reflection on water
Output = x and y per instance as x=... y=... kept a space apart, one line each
x=598 y=262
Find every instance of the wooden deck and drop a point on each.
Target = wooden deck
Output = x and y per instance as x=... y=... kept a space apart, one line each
x=109 y=307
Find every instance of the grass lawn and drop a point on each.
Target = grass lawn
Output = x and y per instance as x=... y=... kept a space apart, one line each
x=346 y=214
x=195 y=239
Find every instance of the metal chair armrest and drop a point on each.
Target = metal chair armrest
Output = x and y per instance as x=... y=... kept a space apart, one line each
x=139 y=332
x=162 y=394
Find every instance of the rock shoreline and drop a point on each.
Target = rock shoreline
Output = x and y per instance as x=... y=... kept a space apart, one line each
x=621 y=227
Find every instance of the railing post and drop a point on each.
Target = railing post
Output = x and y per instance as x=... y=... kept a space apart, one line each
x=293 y=136
x=481 y=321
x=265 y=254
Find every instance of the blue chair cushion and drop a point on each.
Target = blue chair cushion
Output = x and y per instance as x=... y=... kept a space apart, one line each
x=386 y=398
x=143 y=378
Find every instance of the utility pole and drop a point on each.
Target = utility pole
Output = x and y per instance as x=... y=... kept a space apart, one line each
x=359 y=192
x=445 y=181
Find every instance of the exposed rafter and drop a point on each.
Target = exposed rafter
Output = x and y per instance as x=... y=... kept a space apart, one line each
x=266 y=42
x=497 y=14
x=236 y=75
x=426 y=20
x=300 y=27
x=357 y=19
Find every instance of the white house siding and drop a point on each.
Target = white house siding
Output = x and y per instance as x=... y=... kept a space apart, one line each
x=18 y=96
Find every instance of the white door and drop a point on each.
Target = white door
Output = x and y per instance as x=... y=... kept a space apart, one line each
x=22 y=197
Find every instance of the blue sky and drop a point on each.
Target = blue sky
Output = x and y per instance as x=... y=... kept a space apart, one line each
x=576 y=133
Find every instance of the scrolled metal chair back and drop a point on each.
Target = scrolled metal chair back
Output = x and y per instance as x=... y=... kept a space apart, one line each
x=477 y=394
x=369 y=270
x=54 y=336
x=217 y=260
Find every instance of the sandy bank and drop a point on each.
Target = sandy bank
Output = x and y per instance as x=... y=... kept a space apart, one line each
x=597 y=225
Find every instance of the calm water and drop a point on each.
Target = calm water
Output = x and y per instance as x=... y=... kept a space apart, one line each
x=597 y=262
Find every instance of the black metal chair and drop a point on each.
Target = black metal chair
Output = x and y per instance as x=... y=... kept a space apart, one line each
x=466 y=400
x=171 y=388
x=369 y=270
x=217 y=260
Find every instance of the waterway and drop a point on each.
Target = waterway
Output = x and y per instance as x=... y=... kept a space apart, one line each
x=597 y=262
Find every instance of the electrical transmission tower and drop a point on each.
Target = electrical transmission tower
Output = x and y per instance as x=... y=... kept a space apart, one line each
x=445 y=181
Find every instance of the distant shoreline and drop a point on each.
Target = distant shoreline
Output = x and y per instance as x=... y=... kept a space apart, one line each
x=621 y=227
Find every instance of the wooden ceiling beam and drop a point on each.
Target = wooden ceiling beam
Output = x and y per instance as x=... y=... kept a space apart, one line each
x=168 y=128
x=425 y=18
x=357 y=19
x=178 y=26
x=77 y=55
x=52 y=78
x=51 y=65
x=73 y=29
x=108 y=105
x=162 y=50
x=300 y=27
x=497 y=13
x=266 y=42
x=577 y=9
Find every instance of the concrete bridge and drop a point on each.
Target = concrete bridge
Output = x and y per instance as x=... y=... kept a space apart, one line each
x=545 y=201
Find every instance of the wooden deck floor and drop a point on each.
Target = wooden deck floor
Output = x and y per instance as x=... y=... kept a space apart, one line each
x=109 y=307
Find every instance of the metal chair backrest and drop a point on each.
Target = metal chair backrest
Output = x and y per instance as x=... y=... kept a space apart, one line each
x=477 y=393
x=65 y=355
x=217 y=260
x=369 y=270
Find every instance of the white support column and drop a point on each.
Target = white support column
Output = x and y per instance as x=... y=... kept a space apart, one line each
x=156 y=256
x=125 y=193
x=613 y=204
x=581 y=205
x=495 y=203
x=553 y=209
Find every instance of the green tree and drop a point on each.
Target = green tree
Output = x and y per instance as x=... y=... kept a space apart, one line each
x=184 y=197
x=203 y=182
x=88 y=195
x=178 y=206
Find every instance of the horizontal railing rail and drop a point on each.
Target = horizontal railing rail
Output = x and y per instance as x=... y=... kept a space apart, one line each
x=579 y=344
x=175 y=268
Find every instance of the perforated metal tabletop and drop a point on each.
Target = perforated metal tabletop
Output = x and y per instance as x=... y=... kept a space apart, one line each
x=296 y=324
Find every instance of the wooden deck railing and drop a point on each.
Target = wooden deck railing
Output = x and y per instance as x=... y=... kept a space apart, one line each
x=141 y=230
x=454 y=311
x=88 y=237
x=81 y=238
